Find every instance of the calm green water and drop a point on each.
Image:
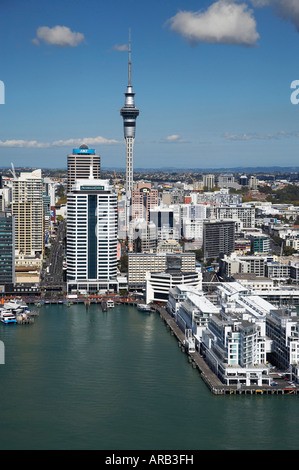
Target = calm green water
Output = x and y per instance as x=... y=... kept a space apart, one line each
x=80 y=379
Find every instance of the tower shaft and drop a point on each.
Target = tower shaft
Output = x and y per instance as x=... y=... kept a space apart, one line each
x=129 y=165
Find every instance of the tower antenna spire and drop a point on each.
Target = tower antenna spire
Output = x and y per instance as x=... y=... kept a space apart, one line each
x=130 y=63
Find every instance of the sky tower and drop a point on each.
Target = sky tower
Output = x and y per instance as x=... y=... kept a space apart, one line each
x=129 y=113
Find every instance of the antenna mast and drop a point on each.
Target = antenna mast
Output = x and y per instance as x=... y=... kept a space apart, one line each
x=129 y=80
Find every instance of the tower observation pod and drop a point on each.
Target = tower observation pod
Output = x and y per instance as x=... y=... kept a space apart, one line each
x=129 y=113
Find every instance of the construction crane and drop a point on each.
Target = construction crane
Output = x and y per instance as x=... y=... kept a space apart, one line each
x=13 y=170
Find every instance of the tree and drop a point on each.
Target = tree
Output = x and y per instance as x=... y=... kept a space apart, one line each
x=124 y=263
x=288 y=250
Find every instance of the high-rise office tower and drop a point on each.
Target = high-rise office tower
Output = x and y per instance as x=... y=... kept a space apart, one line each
x=27 y=208
x=91 y=237
x=79 y=163
x=7 y=249
x=129 y=112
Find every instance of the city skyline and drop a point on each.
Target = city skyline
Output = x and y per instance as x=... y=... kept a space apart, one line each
x=212 y=79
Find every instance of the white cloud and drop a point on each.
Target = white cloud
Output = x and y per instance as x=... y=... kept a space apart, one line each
x=86 y=140
x=120 y=47
x=58 y=143
x=224 y=22
x=286 y=9
x=253 y=136
x=174 y=138
x=60 y=36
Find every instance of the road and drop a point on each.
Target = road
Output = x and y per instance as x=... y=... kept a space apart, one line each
x=54 y=278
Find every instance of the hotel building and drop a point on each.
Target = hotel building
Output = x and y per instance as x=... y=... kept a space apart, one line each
x=91 y=237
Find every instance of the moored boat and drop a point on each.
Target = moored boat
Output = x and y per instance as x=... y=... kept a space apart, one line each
x=144 y=308
x=7 y=316
x=16 y=306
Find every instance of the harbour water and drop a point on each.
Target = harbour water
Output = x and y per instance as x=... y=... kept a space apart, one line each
x=116 y=380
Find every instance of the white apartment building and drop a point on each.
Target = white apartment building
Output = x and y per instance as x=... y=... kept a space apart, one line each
x=167 y=221
x=277 y=270
x=91 y=237
x=27 y=208
x=235 y=343
x=283 y=329
x=192 y=217
x=191 y=309
x=242 y=212
x=231 y=334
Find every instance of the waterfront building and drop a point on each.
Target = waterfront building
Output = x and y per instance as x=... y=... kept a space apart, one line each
x=240 y=332
x=158 y=284
x=28 y=209
x=141 y=263
x=191 y=309
x=230 y=350
x=79 y=164
x=231 y=332
x=92 y=237
x=283 y=329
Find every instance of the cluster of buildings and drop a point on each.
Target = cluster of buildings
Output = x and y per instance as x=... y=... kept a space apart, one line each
x=27 y=215
x=198 y=249
x=238 y=333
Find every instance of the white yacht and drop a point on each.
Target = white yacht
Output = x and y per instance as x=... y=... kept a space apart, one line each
x=144 y=308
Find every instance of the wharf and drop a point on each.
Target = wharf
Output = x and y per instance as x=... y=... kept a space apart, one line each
x=208 y=376
x=80 y=300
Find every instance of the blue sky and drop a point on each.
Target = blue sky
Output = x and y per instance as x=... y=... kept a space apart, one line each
x=212 y=81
